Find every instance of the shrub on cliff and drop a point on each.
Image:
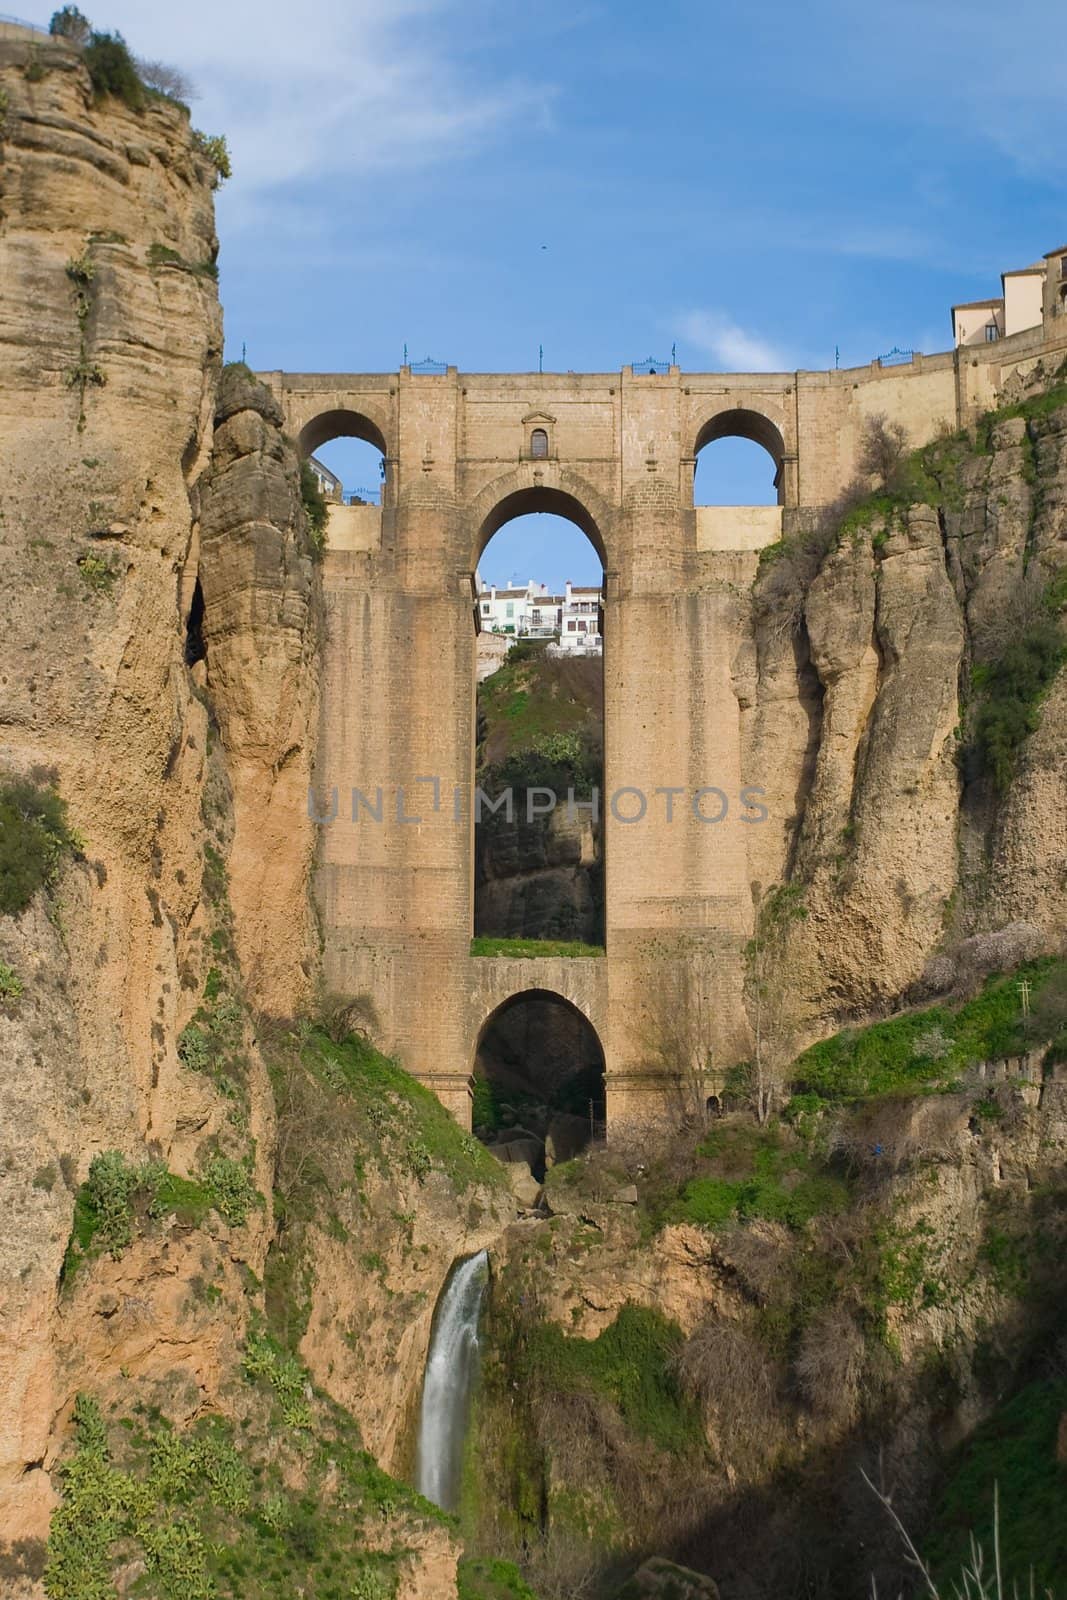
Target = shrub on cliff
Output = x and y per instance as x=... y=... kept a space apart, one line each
x=315 y=507
x=34 y=836
x=119 y=1196
x=113 y=70
x=1011 y=690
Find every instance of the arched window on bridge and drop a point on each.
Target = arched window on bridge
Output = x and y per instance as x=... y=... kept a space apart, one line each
x=346 y=453
x=538 y=1081
x=539 y=869
x=740 y=457
x=539 y=444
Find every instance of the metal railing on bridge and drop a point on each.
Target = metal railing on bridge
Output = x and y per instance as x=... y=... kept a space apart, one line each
x=651 y=365
x=896 y=358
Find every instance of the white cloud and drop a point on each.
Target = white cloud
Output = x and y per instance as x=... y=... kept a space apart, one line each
x=732 y=347
x=329 y=89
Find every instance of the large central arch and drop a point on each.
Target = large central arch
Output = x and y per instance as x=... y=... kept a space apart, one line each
x=524 y=491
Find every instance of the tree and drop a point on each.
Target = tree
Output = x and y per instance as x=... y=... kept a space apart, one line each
x=71 y=24
x=882 y=449
x=767 y=991
x=167 y=80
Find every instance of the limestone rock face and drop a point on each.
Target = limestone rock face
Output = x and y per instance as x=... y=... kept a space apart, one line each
x=107 y=369
x=260 y=633
x=374 y=1285
x=878 y=841
x=896 y=849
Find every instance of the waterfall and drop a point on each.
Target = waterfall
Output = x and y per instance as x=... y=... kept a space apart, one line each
x=446 y=1385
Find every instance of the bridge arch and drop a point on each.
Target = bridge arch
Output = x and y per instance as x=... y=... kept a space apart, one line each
x=539 y=1056
x=742 y=422
x=524 y=491
x=340 y=423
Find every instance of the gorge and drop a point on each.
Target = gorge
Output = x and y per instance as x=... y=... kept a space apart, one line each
x=810 y=1227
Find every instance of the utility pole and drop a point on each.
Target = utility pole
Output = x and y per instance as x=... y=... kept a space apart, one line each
x=540 y=358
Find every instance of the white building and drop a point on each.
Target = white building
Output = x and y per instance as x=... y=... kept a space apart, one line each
x=580 y=620
x=506 y=610
x=530 y=612
x=1029 y=297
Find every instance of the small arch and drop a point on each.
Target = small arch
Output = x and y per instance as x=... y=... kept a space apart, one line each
x=347 y=453
x=538 y=1070
x=339 y=424
x=741 y=423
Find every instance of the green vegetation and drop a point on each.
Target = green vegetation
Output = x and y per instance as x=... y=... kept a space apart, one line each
x=213 y=1042
x=542 y=714
x=85 y=373
x=1041 y=405
x=756 y=1172
x=400 y=1113
x=342 y=1107
x=70 y=23
x=907 y=1054
x=1008 y=696
x=97 y=573
x=485 y=946
x=631 y=1364
x=10 y=984
x=213 y=1521
x=113 y=70
x=35 y=839
x=214 y=146
x=161 y=255
x=118 y=1196
x=1015 y=1453
x=315 y=507
x=266 y=1359
x=492 y=1580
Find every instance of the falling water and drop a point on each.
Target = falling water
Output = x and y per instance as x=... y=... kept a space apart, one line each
x=446 y=1386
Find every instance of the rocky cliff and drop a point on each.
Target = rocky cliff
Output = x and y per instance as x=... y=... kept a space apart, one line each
x=108 y=370
x=161 y=698
x=901 y=692
x=710 y=1340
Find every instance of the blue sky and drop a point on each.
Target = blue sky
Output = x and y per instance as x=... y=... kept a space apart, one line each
x=757 y=185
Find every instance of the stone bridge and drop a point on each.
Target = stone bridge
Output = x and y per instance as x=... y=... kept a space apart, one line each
x=684 y=837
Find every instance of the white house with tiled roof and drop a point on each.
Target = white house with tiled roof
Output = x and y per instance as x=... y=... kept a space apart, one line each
x=1029 y=297
x=531 y=612
x=580 y=620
